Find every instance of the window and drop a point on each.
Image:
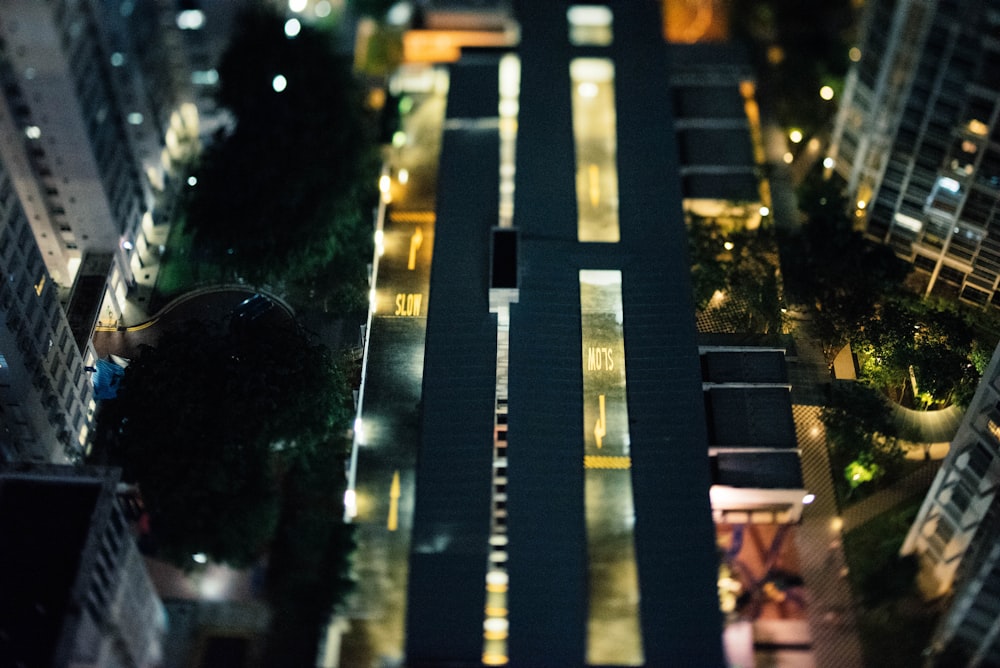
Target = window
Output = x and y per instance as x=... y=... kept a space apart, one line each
x=979 y=459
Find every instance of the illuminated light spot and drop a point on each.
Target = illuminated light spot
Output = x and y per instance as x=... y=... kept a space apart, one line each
x=322 y=9
x=497 y=578
x=135 y=118
x=854 y=54
x=191 y=19
x=495 y=660
x=279 y=83
x=403 y=176
x=292 y=27
x=788 y=157
x=862 y=204
x=764 y=211
x=205 y=77
x=351 y=503
x=496 y=612
x=32 y=132
x=200 y=558
x=587 y=89
x=399 y=14
x=117 y=59
x=949 y=184
x=729 y=245
x=384 y=183
x=399 y=139
x=837 y=523
x=795 y=136
x=977 y=127
x=496 y=625
x=297 y=5
x=826 y=92
x=775 y=55
x=128 y=245
x=192 y=180
x=808 y=498
x=829 y=163
x=510 y=107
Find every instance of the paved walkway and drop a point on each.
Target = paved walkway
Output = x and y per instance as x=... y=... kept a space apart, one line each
x=915 y=484
x=830 y=607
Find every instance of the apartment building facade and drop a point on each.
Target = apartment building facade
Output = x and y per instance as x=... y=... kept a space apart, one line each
x=917 y=140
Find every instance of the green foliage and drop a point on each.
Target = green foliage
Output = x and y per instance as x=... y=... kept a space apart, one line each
x=930 y=336
x=287 y=191
x=894 y=623
x=813 y=38
x=862 y=434
x=309 y=570
x=863 y=470
x=206 y=422
x=709 y=269
x=375 y=9
x=742 y=265
x=830 y=266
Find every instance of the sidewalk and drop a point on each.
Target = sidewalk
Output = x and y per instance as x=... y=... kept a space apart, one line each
x=835 y=641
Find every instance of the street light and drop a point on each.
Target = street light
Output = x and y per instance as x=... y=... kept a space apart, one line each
x=826 y=92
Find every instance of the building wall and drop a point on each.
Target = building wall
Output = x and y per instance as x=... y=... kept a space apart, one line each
x=46 y=398
x=66 y=133
x=88 y=600
x=918 y=142
x=955 y=533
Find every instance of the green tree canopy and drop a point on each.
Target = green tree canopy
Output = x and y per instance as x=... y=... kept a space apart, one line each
x=830 y=266
x=862 y=433
x=207 y=422
x=287 y=191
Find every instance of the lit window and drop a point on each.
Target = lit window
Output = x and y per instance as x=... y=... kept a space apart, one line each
x=977 y=127
x=590 y=25
x=205 y=77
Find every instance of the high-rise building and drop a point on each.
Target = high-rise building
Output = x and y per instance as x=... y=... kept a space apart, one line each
x=46 y=397
x=955 y=534
x=99 y=111
x=917 y=140
x=75 y=588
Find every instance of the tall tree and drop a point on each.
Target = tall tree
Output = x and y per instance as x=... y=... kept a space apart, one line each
x=287 y=190
x=207 y=422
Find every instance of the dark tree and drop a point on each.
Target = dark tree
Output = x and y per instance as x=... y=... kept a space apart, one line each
x=208 y=421
x=708 y=267
x=861 y=432
x=831 y=267
x=288 y=190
